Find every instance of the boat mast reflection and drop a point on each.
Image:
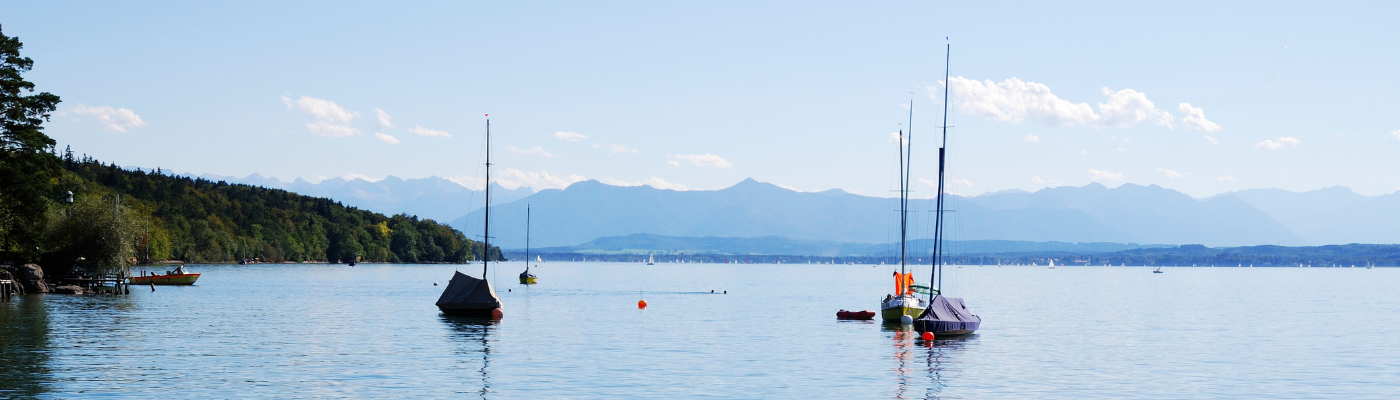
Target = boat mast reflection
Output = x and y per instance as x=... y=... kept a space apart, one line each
x=474 y=336
x=940 y=357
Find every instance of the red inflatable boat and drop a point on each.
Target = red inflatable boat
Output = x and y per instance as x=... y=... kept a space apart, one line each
x=862 y=315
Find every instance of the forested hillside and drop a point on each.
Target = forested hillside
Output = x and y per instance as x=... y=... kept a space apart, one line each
x=202 y=221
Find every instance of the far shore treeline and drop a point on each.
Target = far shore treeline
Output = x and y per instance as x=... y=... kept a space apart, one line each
x=198 y=220
x=80 y=216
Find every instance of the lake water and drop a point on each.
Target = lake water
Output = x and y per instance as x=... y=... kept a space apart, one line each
x=371 y=331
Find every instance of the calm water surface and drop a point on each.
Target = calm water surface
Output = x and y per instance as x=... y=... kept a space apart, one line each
x=372 y=331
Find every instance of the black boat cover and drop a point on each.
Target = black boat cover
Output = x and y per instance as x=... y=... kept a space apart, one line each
x=465 y=293
x=947 y=314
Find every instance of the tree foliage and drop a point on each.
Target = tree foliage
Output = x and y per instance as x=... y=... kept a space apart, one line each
x=26 y=154
x=93 y=235
x=202 y=221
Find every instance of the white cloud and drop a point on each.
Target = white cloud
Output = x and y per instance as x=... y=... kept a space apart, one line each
x=324 y=110
x=1170 y=173
x=331 y=129
x=960 y=182
x=1037 y=179
x=537 y=150
x=896 y=138
x=513 y=178
x=384 y=119
x=617 y=148
x=1278 y=144
x=1225 y=178
x=1395 y=134
x=654 y=182
x=1113 y=176
x=569 y=136
x=387 y=138
x=1212 y=140
x=1032 y=138
x=1083 y=152
x=1015 y=100
x=332 y=120
x=354 y=176
x=421 y=131
x=113 y=119
x=1196 y=119
x=673 y=163
x=706 y=160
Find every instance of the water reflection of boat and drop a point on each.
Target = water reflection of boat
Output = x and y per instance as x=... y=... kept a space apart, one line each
x=179 y=276
x=474 y=336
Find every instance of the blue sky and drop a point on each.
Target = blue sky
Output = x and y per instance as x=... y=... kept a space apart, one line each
x=1297 y=96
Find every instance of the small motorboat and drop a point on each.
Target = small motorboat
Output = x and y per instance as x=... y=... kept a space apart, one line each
x=179 y=276
x=1157 y=271
x=863 y=315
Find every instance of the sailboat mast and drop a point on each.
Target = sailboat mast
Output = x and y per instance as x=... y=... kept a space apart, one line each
x=904 y=194
x=486 y=216
x=938 y=220
x=527 y=237
x=902 y=211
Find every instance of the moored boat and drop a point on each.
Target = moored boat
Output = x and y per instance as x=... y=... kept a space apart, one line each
x=944 y=316
x=903 y=302
x=467 y=296
x=861 y=315
x=179 y=276
x=527 y=278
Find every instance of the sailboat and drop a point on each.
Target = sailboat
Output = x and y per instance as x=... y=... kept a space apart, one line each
x=895 y=307
x=944 y=315
x=467 y=296
x=1052 y=264
x=1157 y=271
x=651 y=260
x=527 y=278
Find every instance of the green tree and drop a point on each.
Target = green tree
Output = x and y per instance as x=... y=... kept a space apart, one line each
x=93 y=235
x=26 y=154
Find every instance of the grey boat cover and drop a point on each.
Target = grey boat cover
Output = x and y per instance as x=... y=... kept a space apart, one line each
x=467 y=293
x=947 y=314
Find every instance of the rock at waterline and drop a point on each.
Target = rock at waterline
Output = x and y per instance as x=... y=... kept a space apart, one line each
x=32 y=278
x=68 y=289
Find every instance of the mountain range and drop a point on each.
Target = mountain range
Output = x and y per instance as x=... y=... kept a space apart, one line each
x=838 y=222
x=1129 y=213
x=433 y=198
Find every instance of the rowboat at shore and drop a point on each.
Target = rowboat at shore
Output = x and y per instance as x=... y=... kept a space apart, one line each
x=177 y=277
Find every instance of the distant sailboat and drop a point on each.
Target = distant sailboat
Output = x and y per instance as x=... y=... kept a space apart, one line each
x=467 y=296
x=1157 y=271
x=944 y=315
x=651 y=260
x=527 y=278
x=1052 y=264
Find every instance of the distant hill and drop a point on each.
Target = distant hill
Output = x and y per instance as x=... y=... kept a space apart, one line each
x=1330 y=216
x=432 y=197
x=1128 y=214
x=643 y=243
x=1153 y=214
x=199 y=220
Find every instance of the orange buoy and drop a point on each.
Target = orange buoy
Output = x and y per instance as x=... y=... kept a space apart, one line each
x=928 y=336
x=641 y=304
x=497 y=314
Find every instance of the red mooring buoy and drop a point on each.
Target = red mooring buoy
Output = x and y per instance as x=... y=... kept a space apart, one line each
x=641 y=304
x=928 y=336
